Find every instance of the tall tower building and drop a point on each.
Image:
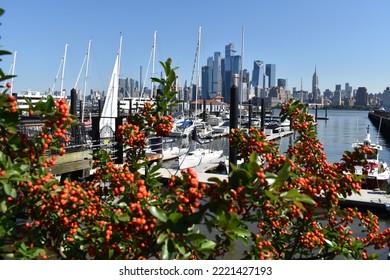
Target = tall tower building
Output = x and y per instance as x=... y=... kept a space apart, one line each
x=270 y=71
x=315 y=88
x=217 y=78
x=230 y=65
x=257 y=74
x=362 y=96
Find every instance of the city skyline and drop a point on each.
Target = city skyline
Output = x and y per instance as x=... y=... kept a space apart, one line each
x=345 y=40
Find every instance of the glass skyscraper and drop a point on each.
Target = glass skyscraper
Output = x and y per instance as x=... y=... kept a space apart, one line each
x=270 y=71
x=257 y=74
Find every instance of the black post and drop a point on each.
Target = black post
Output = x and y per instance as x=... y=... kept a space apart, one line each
x=250 y=114
x=130 y=106
x=316 y=112
x=73 y=111
x=204 y=110
x=81 y=110
x=233 y=119
x=118 y=142
x=262 y=114
x=95 y=133
x=73 y=98
x=99 y=108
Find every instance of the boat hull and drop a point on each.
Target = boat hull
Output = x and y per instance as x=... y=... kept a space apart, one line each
x=372 y=182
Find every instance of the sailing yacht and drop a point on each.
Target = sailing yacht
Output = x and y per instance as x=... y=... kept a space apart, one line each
x=199 y=158
x=110 y=107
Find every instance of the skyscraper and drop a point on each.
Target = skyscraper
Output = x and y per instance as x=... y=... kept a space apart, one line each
x=217 y=77
x=211 y=77
x=270 y=71
x=230 y=65
x=314 y=88
x=282 y=83
x=362 y=96
x=257 y=73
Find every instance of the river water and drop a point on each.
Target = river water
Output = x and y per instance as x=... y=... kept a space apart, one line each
x=337 y=135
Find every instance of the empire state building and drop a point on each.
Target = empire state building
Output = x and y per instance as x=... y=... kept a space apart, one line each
x=315 y=89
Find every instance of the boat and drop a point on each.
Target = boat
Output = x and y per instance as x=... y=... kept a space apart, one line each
x=182 y=128
x=222 y=129
x=376 y=171
x=214 y=120
x=110 y=107
x=203 y=130
x=200 y=159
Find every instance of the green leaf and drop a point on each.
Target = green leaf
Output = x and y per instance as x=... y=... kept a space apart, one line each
x=196 y=236
x=124 y=218
x=290 y=194
x=239 y=177
x=175 y=217
x=241 y=232
x=207 y=245
x=158 y=213
x=162 y=237
x=283 y=175
x=9 y=190
x=3 y=206
x=271 y=196
x=167 y=249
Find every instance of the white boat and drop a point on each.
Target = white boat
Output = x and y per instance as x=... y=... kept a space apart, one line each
x=182 y=128
x=376 y=171
x=214 y=120
x=222 y=129
x=174 y=152
x=203 y=130
x=110 y=107
x=200 y=159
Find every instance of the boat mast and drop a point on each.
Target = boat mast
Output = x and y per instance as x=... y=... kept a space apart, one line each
x=197 y=74
x=151 y=57
x=119 y=56
x=13 y=72
x=85 y=81
x=153 y=60
x=63 y=70
x=240 y=84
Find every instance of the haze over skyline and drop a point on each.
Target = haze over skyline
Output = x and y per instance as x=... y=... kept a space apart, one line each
x=346 y=41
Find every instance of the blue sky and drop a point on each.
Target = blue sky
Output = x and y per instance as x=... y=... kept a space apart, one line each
x=348 y=40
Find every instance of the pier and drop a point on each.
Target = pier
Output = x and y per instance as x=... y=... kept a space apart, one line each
x=381 y=120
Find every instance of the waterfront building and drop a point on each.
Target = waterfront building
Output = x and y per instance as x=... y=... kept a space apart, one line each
x=230 y=65
x=211 y=77
x=362 y=96
x=386 y=99
x=315 y=89
x=257 y=74
x=348 y=90
x=282 y=83
x=270 y=72
x=206 y=81
x=217 y=76
x=337 y=96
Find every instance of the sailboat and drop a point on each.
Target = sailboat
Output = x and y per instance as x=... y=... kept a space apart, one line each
x=199 y=158
x=110 y=107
